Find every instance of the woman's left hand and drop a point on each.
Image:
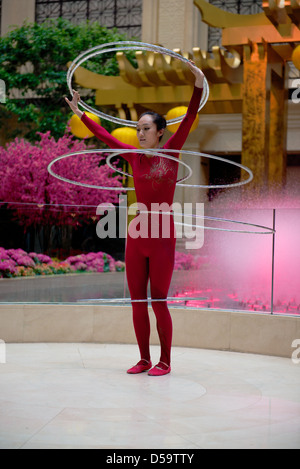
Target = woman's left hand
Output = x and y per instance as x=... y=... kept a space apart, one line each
x=199 y=75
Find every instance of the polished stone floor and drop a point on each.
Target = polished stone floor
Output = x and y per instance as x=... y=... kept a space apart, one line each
x=78 y=396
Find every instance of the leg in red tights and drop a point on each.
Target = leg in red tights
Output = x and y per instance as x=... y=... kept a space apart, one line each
x=137 y=271
x=161 y=265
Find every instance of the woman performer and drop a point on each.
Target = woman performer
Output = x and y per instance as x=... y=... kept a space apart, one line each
x=151 y=258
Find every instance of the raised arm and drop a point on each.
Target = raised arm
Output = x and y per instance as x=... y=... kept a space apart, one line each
x=177 y=140
x=100 y=132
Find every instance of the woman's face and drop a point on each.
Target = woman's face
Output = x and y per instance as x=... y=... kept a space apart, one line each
x=147 y=132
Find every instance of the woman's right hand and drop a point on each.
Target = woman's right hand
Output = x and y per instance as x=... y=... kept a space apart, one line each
x=74 y=104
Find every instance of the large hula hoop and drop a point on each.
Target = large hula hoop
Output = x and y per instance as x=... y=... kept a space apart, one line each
x=224 y=220
x=120 y=47
x=204 y=217
x=146 y=300
x=114 y=153
x=161 y=151
x=153 y=153
x=158 y=152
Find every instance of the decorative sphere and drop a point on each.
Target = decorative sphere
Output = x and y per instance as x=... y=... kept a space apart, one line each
x=126 y=135
x=296 y=57
x=79 y=129
x=177 y=112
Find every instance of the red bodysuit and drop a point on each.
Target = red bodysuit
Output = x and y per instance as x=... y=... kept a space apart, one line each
x=152 y=258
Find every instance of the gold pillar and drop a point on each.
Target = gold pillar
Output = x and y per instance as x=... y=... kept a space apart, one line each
x=278 y=129
x=264 y=140
x=256 y=113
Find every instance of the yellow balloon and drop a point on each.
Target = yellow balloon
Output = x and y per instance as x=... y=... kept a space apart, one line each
x=79 y=129
x=177 y=112
x=126 y=135
x=296 y=57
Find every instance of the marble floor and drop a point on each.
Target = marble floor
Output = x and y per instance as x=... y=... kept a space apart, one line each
x=78 y=396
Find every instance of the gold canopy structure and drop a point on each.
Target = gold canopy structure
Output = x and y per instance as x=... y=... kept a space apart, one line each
x=247 y=75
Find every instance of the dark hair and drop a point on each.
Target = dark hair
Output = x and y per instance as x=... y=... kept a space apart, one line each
x=158 y=120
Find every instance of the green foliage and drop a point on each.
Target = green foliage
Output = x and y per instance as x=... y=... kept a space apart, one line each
x=33 y=60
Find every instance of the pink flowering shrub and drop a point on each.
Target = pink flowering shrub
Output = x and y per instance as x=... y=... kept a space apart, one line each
x=14 y=262
x=40 y=258
x=92 y=262
x=25 y=180
x=185 y=261
x=17 y=263
x=20 y=257
x=4 y=255
x=7 y=268
x=119 y=266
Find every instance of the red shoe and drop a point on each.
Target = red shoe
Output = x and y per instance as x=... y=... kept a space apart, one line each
x=158 y=371
x=141 y=367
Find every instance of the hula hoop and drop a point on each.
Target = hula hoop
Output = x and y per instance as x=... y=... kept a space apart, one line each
x=205 y=217
x=120 y=47
x=114 y=153
x=153 y=153
x=161 y=151
x=158 y=152
x=149 y=300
